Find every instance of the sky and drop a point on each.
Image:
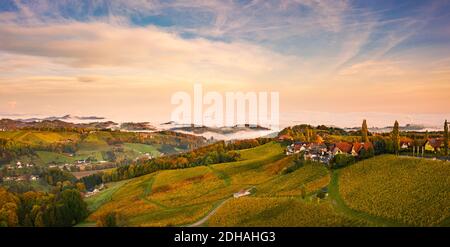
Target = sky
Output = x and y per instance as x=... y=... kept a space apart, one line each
x=332 y=62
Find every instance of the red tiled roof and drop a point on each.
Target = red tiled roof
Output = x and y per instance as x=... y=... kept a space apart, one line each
x=435 y=142
x=368 y=145
x=406 y=140
x=357 y=146
x=344 y=146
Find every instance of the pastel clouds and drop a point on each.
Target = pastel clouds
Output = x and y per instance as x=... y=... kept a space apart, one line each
x=323 y=56
x=88 y=45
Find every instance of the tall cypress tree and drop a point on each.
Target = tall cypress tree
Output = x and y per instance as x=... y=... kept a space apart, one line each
x=396 y=137
x=364 y=132
x=446 y=138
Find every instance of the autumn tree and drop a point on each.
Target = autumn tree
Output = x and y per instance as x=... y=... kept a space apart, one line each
x=8 y=208
x=111 y=219
x=72 y=207
x=364 y=132
x=446 y=137
x=396 y=137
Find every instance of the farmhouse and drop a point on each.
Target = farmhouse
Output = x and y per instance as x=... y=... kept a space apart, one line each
x=95 y=191
x=241 y=193
x=344 y=147
x=359 y=147
x=19 y=165
x=434 y=144
x=406 y=143
x=296 y=147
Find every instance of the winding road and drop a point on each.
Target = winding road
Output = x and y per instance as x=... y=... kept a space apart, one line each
x=204 y=219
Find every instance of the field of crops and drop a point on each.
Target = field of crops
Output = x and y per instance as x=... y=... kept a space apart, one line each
x=254 y=211
x=385 y=190
x=407 y=190
x=140 y=149
x=38 y=137
x=180 y=197
x=258 y=165
x=175 y=197
x=310 y=178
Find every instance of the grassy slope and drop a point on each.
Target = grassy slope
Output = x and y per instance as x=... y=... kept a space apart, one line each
x=96 y=201
x=340 y=206
x=51 y=157
x=282 y=211
x=92 y=145
x=408 y=191
x=182 y=197
x=38 y=137
x=140 y=149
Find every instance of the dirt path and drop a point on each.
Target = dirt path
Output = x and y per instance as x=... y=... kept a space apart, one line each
x=204 y=219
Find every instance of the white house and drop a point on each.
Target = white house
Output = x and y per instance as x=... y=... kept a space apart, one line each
x=241 y=193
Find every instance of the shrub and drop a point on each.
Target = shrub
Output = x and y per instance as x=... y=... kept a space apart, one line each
x=342 y=160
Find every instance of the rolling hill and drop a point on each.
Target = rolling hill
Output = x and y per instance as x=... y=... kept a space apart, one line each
x=382 y=191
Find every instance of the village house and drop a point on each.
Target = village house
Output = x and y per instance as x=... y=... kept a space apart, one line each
x=434 y=144
x=81 y=167
x=406 y=143
x=296 y=148
x=241 y=193
x=95 y=191
x=359 y=147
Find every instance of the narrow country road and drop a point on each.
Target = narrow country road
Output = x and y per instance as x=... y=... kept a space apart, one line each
x=204 y=219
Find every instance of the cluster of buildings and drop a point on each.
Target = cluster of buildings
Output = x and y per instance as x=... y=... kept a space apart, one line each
x=21 y=178
x=323 y=153
x=67 y=166
x=146 y=156
x=79 y=165
x=433 y=145
x=19 y=165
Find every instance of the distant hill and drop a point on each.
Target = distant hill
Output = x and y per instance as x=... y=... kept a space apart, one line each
x=67 y=118
x=9 y=124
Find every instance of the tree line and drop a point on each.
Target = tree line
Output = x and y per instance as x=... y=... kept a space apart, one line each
x=61 y=207
x=219 y=152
